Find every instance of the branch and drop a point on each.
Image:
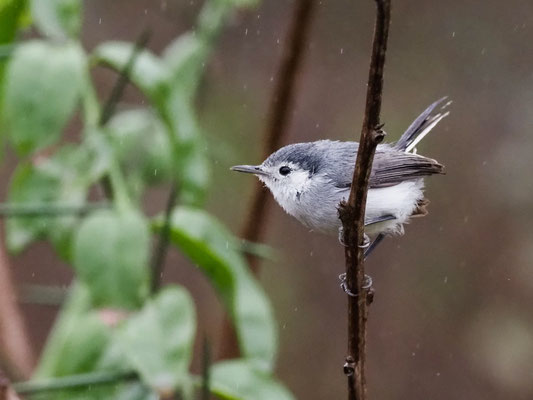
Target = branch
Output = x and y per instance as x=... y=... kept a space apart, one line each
x=48 y=209
x=352 y=213
x=74 y=381
x=123 y=79
x=278 y=117
x=16 y=354
x=6 y=392
x=116 y=94
x=161 y=249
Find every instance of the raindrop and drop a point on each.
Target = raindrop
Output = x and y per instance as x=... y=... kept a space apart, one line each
x=453 y=34
x=100 y=21
x=342 y=50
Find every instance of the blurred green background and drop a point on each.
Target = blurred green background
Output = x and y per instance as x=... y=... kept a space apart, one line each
x=452 y=314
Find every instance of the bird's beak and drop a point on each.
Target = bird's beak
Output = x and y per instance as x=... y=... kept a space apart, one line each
x=249 y=169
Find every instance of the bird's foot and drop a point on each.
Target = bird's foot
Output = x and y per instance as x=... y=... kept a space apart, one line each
x=367 y=284
x=366 y=239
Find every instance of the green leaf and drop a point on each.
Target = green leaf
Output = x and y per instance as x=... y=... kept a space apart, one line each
x=76 y=345
x=57 y=18
x=185 y=59
x=77 y=340
x=141 y=145
x=11 y=13
x=158 y=341
x=240 y=380
x=110 y=255
x=29 y=186
x=64 y=178
x=209 y=245
x=191 y=164
x=38 y=105
x=148 y=73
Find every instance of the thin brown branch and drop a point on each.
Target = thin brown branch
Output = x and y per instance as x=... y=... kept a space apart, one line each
x=278 y=118
x=116 y=94
x=352 y=213
x=6 y=392
x=161 y=249
x=15 y=350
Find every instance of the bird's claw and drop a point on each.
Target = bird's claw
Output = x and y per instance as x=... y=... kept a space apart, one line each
x=366 y=242
x=366 y=285
x=366 y=239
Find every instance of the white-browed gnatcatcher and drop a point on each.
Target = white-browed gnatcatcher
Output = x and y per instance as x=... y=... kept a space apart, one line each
x=309 y=180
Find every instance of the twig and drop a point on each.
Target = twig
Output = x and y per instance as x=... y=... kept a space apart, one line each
x=116 y=93
x=123 y=79
x=6 y=392
x=161 y=249
x=73 y=381
x=352 y=213
x=206 y=370
x=45 y=295
x=48 y=209
x=16 y=352
x=278 y=117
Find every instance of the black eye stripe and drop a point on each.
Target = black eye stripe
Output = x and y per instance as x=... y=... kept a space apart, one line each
x=284 y=170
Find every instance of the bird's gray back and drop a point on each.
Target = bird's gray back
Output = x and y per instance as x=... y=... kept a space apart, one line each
x=336 y=160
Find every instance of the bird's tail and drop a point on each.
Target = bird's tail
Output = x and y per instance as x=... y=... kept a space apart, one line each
x=421 y=126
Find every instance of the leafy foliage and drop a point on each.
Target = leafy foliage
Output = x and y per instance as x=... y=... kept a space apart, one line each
x=210 y=246
x=32 y=126
x=111 y=252
x=111 y=321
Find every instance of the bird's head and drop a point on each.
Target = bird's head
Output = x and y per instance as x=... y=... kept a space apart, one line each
x=288 y=172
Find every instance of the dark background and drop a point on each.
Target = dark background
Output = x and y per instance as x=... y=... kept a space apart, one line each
x=452 y=313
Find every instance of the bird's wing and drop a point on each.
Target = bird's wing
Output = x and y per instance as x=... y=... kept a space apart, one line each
x=390 y=167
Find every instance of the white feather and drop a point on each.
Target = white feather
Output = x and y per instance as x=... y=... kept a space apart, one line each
x=435 y=121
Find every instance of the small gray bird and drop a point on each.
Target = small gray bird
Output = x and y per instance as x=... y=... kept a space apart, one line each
x=309 y=180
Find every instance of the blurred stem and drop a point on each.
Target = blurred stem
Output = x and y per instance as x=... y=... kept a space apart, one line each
x=73 y=381
x=16 y=352
x=48 y=209
x=123 y=79
x=6 y=392
x=352 y=212
x=278 y=118
x=206 y=370
x=161 y=249
x=42 y=294
x=113 y=183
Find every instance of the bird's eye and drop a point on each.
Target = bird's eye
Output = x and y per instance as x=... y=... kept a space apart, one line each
x=284 y=170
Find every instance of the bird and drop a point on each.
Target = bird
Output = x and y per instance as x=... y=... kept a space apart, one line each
x=310 y=180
